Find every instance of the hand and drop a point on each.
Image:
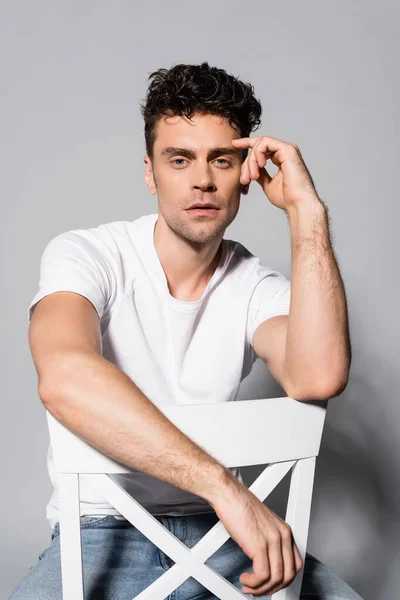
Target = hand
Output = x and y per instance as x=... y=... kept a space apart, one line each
x=292 y=185
x=264 y=537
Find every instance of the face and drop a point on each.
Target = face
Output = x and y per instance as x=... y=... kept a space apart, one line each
x=195 y=162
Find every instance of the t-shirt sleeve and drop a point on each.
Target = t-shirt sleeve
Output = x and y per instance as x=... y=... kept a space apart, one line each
x=73 y=262
x=270 y=298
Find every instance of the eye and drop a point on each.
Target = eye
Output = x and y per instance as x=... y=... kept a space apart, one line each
x=174 y=161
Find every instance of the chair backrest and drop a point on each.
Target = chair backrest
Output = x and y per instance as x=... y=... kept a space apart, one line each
x=282 y=432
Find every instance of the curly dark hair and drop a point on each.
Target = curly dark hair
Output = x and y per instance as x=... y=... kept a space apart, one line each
x=185 y=89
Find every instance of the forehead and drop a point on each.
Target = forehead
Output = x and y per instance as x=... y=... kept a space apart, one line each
x=199 y=130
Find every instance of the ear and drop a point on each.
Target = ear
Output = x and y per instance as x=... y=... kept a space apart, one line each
x=148 y=175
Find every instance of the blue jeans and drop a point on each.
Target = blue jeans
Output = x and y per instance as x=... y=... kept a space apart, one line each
x=119 y=562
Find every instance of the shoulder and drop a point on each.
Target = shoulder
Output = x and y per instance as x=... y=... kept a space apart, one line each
x=106 y=241
x=248 y=266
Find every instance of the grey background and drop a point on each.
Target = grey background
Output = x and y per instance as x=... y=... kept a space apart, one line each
x=72 y=150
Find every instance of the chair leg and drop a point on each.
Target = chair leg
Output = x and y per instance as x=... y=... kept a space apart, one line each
x=70 y=537
x=298 y=517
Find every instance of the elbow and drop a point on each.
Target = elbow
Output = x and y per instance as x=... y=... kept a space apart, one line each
x=44 y=394
x=53 y=399
x=336 y=390
x=51 y=387
x=324 y=391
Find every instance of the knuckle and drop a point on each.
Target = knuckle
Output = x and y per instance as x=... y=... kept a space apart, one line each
x=287 y=533
x=279 y=578
x=273 y=589
x=274 y=586
x=278 y=572
x=274 y=538
x=288 y=582
x=274 y=541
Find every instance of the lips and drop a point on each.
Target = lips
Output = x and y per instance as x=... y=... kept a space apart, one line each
x=204 y=206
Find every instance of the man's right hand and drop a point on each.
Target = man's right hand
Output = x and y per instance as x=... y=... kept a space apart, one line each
x=263 y=536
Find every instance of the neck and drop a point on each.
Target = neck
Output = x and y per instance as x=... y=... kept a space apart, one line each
x=187 y=269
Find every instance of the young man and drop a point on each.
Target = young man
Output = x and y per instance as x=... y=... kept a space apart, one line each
x=160 y=310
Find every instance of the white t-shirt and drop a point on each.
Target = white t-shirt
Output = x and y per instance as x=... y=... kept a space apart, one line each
x=176 y=352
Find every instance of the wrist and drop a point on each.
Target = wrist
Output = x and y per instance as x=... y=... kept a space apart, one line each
x=308 y=220
x=311 y=207
x=310 y=203
x=224 y=488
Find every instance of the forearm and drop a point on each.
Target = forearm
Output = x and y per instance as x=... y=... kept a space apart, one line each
x=96 y=400
x=318 y=352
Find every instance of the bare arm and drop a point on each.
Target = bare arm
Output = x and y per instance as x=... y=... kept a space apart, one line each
x=101 y=404
x=318 y=350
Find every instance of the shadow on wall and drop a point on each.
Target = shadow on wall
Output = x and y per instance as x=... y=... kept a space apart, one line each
x=358 y=484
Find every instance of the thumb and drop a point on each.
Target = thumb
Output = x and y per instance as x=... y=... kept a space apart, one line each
x=261 y=571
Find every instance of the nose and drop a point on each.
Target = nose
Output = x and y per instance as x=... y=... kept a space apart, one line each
x=204 y=180
x=205 y=188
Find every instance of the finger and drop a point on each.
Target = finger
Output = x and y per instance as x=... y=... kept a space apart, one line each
x=257 y=162
x=276 y=561
x=268 y=143
x=284 y=562
x=260 y=156
x=264 y=179
x=257 y=159
x=245 y=142
x=260 y=574
x=298 y=560
x=253 y=166
x=278 y=150
x=292 y=557
x=253 y=162
x=245 y=174
x=258 y=143
x=272 y=583
x=288 y=553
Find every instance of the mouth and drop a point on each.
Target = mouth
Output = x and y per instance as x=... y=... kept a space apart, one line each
x=203 y=211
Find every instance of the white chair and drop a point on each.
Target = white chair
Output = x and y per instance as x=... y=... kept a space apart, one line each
x=282 y=432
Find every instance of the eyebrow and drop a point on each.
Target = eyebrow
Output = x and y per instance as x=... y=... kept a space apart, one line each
x=212 y=153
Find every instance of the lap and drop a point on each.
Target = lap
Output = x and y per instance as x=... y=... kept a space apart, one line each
x=119 y=562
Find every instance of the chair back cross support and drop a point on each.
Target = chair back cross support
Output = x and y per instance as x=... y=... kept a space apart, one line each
x=282 y=432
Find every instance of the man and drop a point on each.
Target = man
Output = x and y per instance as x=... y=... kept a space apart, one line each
x=134 y=314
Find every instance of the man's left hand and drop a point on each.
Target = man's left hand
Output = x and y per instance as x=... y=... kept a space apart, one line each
x=292 y=185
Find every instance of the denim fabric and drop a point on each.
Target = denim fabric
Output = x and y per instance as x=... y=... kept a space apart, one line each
x=119 y=562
